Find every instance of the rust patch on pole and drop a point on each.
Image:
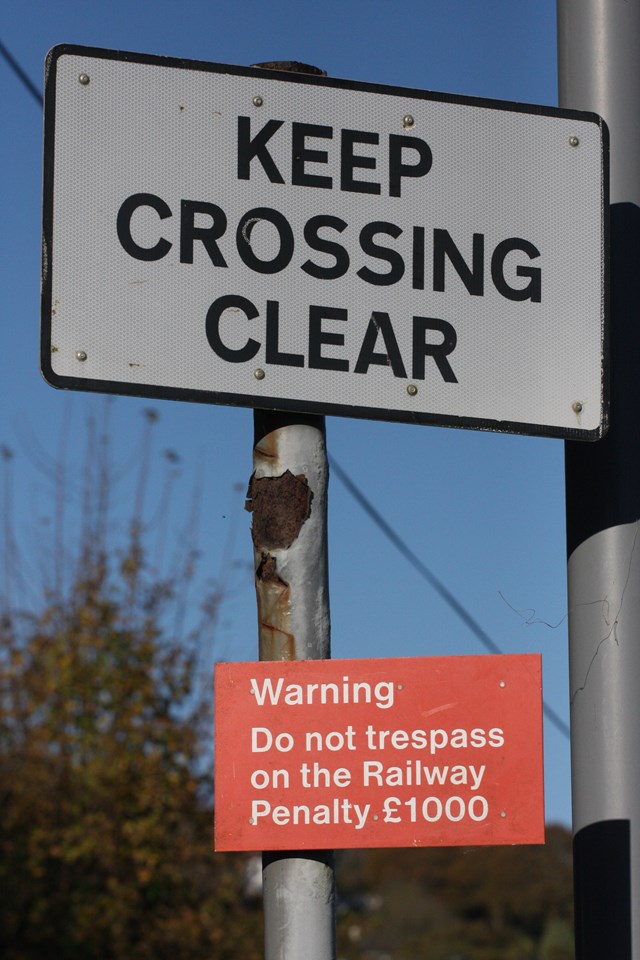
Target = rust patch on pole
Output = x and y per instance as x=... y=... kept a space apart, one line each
x=280 y=506
x=274 y=612
x=268 y=570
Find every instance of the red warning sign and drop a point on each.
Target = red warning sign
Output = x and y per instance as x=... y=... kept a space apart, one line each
x=379 y=753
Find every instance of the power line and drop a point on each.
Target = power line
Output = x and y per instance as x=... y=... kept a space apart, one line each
x=357 y=494
x=21 y=75
x=432 y=580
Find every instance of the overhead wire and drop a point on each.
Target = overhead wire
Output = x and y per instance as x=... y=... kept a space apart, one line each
x=21 y=75
x=434 y=582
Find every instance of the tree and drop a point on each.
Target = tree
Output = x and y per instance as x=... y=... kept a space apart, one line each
x=106 y=828
x=557 y=942
x=478 y=903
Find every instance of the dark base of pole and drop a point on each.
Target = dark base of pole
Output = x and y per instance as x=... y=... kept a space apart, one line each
x=602 y=867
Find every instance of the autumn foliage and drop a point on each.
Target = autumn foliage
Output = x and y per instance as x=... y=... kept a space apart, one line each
x=105 y=776
x=476 y=903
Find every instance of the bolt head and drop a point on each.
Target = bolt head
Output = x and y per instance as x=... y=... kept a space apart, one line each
x=257 y=101
x=573 y=141
x=84 y=79
x=81 y=355
x=408 y=121
x=412 y=389
x=576 y=407
x=259 y=374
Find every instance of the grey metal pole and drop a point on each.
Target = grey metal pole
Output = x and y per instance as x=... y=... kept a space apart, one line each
x=288 y=499
x=599 y=70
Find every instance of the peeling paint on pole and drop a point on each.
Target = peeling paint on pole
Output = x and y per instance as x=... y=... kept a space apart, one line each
x=280 y=506
x=288 y=499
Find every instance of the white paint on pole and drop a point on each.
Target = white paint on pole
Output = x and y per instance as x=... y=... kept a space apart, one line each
x=248 y=237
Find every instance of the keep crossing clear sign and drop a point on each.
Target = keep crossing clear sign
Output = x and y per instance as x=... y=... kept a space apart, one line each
x=284 y=241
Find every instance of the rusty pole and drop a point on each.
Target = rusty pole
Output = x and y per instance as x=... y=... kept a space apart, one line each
x=288 y=499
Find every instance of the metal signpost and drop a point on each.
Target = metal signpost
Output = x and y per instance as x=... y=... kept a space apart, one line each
x=599 y=69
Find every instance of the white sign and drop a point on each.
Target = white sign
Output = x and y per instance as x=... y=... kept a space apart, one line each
x=242 y=236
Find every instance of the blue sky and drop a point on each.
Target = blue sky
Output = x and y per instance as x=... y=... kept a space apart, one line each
x=483 y=512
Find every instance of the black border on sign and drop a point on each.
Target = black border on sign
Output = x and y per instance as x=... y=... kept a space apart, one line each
x=273 y=403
